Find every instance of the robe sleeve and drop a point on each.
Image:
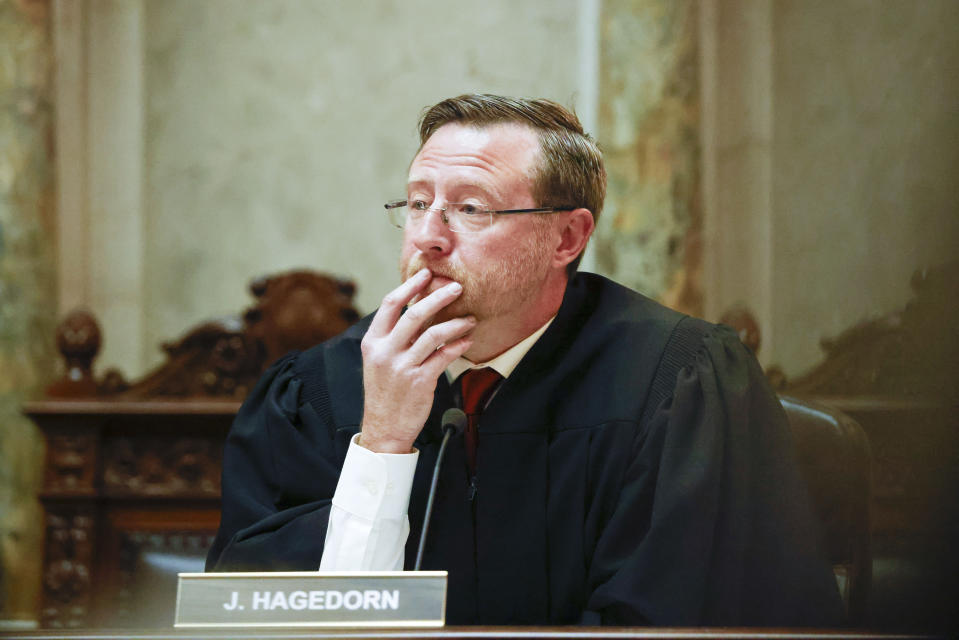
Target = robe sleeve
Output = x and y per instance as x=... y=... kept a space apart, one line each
x=281 y=463
x=713 y=524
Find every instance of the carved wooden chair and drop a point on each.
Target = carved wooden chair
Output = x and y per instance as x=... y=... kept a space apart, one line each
x=835 y=460
x=132 y=473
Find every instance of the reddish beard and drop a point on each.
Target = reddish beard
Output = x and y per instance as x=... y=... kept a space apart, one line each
x=501 y=288
x=459 y=307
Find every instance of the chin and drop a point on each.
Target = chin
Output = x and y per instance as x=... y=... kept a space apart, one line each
x=454 y=310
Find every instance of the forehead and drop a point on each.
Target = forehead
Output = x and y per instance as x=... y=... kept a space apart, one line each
x=498 y=157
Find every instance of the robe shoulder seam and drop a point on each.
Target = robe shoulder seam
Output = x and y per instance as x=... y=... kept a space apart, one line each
x=685 y=340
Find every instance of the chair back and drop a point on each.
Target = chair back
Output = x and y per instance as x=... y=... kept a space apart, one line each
x=836 y=463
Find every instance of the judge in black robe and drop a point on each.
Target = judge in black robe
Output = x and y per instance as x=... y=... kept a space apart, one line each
x=634 y=469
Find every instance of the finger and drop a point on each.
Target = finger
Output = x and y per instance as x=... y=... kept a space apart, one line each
x=394 y=302
x=437 y=336
x=436 y=364
x=414 y=321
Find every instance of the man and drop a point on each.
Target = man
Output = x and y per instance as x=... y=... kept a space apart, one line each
x=623 y=464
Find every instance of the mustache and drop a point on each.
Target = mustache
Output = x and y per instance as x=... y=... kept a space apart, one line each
x=442 y=270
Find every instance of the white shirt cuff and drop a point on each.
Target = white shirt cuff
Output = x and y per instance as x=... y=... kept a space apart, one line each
x=375 y=486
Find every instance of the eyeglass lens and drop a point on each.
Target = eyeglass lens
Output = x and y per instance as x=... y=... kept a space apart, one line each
x=460 y=217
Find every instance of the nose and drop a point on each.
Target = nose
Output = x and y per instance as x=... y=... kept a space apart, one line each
x=431 y=234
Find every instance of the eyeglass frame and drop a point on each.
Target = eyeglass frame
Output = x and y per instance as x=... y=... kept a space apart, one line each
x=396 y=204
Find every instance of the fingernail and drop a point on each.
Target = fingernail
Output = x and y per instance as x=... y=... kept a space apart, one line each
x=471 y=319
x=454 y=287
x=422 y=272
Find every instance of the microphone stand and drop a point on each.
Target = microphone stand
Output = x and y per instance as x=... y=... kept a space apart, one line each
x=454 y=421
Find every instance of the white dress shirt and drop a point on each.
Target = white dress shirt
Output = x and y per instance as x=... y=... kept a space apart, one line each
x=368 y=524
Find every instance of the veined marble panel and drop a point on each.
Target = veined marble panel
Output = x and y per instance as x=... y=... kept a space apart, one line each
x=27 y=288
x=649 y=234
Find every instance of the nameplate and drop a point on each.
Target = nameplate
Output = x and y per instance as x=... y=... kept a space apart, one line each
x=312 y=599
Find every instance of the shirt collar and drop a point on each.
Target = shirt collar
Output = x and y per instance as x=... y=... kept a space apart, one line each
x=505 y=362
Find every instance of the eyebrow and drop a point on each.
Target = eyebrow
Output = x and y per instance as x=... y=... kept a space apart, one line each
x=486 y=190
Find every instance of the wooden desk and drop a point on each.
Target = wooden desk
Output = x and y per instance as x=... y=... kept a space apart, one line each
x=480 y=633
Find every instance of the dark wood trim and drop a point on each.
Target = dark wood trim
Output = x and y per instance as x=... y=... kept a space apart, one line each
x=478 y=633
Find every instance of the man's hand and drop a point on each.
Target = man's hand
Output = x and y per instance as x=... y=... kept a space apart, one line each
x=403 y=356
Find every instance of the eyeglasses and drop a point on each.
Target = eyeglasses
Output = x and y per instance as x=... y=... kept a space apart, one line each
x=459 y=217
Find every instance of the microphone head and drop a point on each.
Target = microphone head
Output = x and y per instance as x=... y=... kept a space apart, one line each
x=454 y=419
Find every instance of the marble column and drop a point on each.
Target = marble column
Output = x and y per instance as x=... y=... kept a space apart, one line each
x=27 y=288
x=649 y=234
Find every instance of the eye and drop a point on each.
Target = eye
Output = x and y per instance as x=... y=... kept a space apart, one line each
x=418 y=205
x=471 y=209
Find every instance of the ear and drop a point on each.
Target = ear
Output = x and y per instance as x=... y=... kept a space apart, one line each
x=574 y=234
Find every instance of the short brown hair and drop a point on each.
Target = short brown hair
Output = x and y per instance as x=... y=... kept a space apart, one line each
x=571 y=174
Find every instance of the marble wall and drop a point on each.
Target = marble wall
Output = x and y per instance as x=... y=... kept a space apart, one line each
x=865 y=160
x=275 y=132
x=830 y=161
x=27 y=288
x=649 y=235
x=224 y=140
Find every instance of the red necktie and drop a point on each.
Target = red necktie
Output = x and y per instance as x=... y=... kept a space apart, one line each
x=478 y=385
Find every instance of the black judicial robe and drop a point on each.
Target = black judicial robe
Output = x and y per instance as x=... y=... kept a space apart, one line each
x=635 y=468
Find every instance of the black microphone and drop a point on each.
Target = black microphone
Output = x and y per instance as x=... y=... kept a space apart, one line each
x=454 y=421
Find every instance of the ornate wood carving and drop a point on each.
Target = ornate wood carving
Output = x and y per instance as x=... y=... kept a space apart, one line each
x=742 y=319
x=68 y=567
x=908 y=354
x=112 y=468
x=78 y=339
x=158 y=440
x=913 y=353
x=71 y=460
x=298 y=309
x=155 y=466
x=221 y=358
x=898 y=376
